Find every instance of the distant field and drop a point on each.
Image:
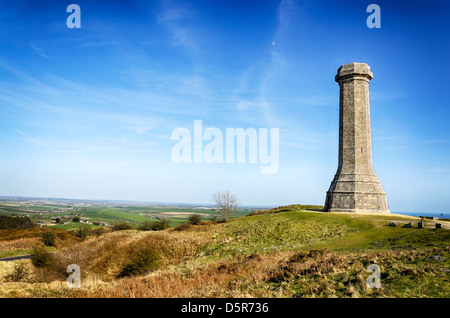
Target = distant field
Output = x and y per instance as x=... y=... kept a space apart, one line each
x=118 y=215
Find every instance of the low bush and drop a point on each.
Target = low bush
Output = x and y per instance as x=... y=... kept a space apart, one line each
x=41 y=257
x=99 y=231
x=121 y=226
x=142 y=262
x=155 y=225
x=48 y=238
x=182 y=227
x=194 y=219
x=83 y=231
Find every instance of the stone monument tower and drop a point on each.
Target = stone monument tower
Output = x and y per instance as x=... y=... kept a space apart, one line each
x=355 y=187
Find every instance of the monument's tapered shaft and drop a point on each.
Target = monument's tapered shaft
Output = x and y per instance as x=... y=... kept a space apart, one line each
x=355 y=187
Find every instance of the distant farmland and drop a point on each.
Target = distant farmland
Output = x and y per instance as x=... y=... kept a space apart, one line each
x=47 y=212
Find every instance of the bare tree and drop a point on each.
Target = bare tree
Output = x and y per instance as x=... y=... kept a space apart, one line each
x=226 y=203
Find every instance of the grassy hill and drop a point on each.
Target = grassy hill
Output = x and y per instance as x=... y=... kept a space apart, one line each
x=279 y=253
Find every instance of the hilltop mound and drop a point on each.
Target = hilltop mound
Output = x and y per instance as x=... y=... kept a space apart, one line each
x=289 y=207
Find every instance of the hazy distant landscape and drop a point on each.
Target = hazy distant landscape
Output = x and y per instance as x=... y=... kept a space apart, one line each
x=46 y=211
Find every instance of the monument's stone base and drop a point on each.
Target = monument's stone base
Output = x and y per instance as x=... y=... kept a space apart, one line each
x=358 y=193
x=356 y=202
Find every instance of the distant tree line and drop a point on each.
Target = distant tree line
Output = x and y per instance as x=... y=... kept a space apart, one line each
x=16 y=222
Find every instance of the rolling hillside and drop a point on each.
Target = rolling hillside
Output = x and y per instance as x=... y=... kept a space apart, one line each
x=284 y=253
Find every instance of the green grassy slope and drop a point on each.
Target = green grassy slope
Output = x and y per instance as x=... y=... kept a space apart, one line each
x=304 y=230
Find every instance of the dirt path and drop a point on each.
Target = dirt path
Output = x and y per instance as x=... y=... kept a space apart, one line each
x=14 y=258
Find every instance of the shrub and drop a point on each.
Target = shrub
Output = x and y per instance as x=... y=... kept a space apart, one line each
x=182 y=227
x=121 y=226
x=146 y=226
x=48 y=238
x=194 y=219
x=76 y=219
x=161 y=225
x=217 y=219
x=142 y=262
x=155 y=225
x=99 y=231
x=19 y=273
x=83 y=231
x=41 y=258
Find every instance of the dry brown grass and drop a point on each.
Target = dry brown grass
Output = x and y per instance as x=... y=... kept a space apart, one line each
x=237 y=277
x=15 y=234
x=22 y=243
x=14 y=239
x=318 y=273
x=105 y=257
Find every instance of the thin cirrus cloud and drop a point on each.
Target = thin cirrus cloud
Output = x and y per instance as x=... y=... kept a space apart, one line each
x=38 y=50
x=34 y=140
x=316 y=100
x=175 y=20
x=273 y=70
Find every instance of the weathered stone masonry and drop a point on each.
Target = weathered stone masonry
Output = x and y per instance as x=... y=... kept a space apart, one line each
x=355 y=187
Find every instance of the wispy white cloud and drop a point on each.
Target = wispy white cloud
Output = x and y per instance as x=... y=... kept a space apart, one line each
x=88 y=43
x=298 y=138
x=427 y=170
x=262 y=106
x=142 y=130
x=36 y=141
x=87 y=150
x=174 y=19
x=316 y=100
x=387 y=137
x=393 y=148
x=38 y=50
x=436 y=141
x=376 y=95
x=69 y=112
x=53 y=94
x=244 y=104
x=118 y=165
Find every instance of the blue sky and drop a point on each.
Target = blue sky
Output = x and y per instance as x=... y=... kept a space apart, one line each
x=88 y=113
